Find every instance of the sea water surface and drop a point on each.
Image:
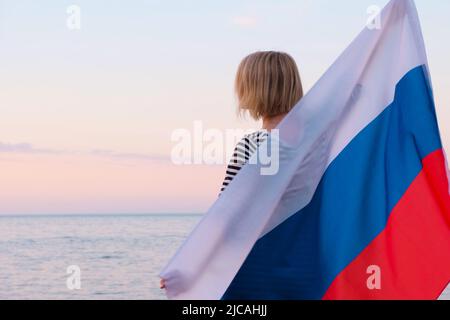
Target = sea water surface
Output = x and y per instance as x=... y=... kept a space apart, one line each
x=119 y=256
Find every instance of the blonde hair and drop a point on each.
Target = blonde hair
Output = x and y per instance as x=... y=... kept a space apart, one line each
x=268 y=84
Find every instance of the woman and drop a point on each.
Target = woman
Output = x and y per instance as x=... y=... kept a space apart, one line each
x=268 y=86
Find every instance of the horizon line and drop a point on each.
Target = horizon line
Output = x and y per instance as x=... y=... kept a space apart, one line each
x=12 y=215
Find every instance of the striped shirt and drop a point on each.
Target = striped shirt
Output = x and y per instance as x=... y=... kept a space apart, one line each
x=242 y=153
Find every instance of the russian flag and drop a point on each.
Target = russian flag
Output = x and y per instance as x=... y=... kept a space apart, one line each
x=360 y=205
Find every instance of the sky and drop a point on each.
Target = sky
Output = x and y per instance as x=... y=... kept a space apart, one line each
x=87 y=114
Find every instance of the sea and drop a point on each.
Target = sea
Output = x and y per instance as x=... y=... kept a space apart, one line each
x=89 y=256
x=111 y=256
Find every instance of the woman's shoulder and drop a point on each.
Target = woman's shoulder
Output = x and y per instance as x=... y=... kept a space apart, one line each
x=248 y=145
x=256 y=136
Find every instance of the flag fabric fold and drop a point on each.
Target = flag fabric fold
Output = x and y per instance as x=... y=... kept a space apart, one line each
x=360 y=205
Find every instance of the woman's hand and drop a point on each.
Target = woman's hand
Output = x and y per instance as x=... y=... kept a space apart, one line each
x=162 y=284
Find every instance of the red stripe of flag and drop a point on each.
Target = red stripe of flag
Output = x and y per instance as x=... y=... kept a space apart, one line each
x=413 y=251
